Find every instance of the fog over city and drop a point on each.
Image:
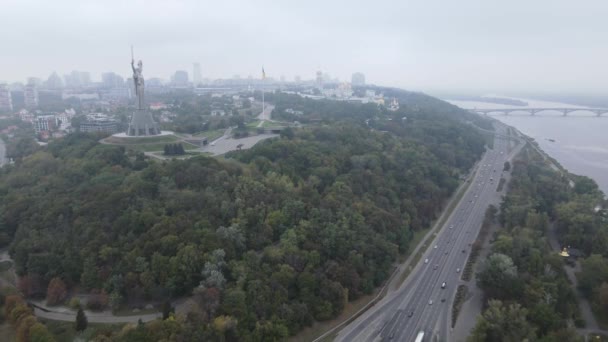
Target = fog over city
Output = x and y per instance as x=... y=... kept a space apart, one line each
x=468 y=45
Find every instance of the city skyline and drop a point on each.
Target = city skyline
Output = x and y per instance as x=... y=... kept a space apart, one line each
x=468 y=45
x=68 y=79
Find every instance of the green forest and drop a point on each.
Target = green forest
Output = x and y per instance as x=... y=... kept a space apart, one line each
x=265 y=240
x=528 y=294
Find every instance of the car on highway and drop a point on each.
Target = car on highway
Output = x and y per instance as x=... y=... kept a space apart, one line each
x=458 y=270
x=435 y=267
x=464 y=251
x=410 y=314
x=431 y=302
x=426 y=261
x=443 y=300
x=443 y=285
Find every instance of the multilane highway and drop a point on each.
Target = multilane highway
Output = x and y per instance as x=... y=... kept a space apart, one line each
x=421 y=304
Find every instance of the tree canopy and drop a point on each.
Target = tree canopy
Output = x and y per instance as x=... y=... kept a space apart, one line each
x=523 y=269
x=267 y=240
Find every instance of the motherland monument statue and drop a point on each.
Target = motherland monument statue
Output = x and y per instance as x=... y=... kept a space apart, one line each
x=142 y=123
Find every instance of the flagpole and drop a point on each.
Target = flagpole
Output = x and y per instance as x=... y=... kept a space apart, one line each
x=263 y=104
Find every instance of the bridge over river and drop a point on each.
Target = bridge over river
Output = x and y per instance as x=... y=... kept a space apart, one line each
x=533 y=111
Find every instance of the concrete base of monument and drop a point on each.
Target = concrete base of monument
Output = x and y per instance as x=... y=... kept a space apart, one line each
x=124 y=135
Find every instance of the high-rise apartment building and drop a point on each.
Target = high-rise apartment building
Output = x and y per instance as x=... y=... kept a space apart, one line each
x=77 y=79
x=6 y=99
x=35 y=81
x=197 y=77
x=319 y=79
x=30 y=95
x=54 y=82
x=180 y=78
x=112 y=80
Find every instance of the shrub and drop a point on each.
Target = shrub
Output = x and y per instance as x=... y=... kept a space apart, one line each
x=56 y=292
x=98 y=300
x=74 y=303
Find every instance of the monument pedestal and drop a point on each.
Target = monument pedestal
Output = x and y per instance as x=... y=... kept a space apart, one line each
x=142 y=124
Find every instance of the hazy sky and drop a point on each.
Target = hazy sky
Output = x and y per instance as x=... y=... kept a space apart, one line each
x=481 y=45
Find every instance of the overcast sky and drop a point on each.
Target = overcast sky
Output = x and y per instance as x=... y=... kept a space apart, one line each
x=448 y=45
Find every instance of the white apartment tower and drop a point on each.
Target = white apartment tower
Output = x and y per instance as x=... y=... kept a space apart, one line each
x=30 y=95
x=6 y=100
x=197 y=77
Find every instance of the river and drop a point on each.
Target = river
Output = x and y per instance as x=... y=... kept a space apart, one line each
x=580 y=141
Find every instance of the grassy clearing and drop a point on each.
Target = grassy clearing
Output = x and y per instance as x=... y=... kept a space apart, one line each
x=159 y=147
x=253 y=124
x=270 y=124
x=149 y=144
x=149 y=140
x=211 y=135
x=189 y=154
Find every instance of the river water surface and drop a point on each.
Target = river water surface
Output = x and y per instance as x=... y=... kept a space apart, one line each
x=580 y=140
